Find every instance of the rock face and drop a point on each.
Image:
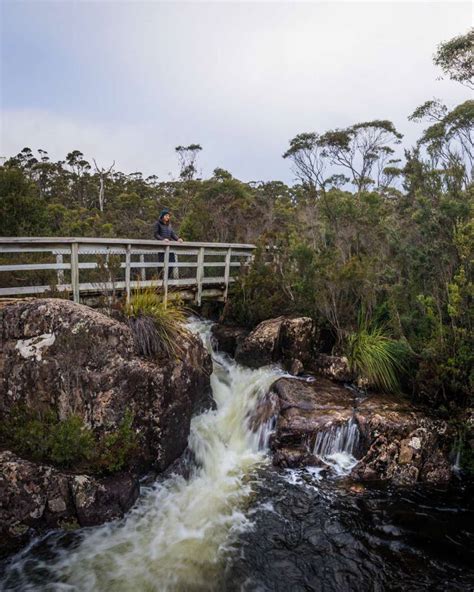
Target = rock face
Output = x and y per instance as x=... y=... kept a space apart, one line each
x=287 y=340
x=58 y=355
x=227 y=338
x=65 y=357
x=394 y=441
x=35 y=496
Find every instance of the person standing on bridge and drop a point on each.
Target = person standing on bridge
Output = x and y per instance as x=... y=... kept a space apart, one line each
x=164 y=232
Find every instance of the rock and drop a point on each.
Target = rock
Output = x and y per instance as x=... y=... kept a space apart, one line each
x=61 y=356
x=226 y=337
x=304 y=409
x=98 y=501
x=333 y=367
x=286 y=340
x=396 y=442
x=404 y=443
x=35 y=497
x=260 y=347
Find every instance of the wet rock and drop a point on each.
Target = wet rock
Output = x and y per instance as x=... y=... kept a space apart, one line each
x=304 y=409
x=227 y=337
x=35 y=497
x=98 y=501
x=286 y=340
x=397 y=441
x=61 y=356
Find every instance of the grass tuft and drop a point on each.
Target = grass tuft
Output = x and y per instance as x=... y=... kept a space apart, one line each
x=377 y=358
x=157 y=327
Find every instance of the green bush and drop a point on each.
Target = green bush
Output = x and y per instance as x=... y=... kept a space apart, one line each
x=119 y=446
x=71 y=442
x=42 y=437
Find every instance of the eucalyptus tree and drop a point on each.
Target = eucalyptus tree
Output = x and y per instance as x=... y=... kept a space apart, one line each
x=455 y=58
x=309 y=160
x=102 y=174
x=187 y=156
x=449 y=140
x=358 y=149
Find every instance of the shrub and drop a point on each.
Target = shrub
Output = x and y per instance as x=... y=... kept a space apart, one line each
x=119 y=446
x=71 y=442
x=42 y=437
x=377 y=358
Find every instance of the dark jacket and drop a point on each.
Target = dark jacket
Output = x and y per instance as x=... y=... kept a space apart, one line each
x=162 y=231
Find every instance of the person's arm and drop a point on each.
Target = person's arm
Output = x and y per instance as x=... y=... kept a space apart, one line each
x=174 y=236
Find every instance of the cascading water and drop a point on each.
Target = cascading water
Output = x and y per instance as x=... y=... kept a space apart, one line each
x=338 y=446
x=180 y=530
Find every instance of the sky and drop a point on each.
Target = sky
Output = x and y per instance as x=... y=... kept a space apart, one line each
x=128 y=81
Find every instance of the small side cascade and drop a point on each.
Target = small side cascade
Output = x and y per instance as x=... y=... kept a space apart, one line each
x=338 y=446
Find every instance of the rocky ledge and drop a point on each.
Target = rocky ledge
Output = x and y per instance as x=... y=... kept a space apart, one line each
x=69 y=360
x=391 y=438
x=34 y=497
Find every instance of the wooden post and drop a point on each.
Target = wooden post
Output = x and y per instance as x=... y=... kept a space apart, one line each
x=199 y=275
x=128 y=257
x=227 y=272
x=143 y=269
x=75 y=271
x=165 y=275
x=60 y=272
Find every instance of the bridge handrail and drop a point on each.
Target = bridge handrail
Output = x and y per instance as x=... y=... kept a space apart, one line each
x=115 y=241
x=76 y=246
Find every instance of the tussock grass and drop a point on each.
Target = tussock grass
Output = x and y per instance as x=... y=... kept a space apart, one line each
x=377 y=358
x=157 y=327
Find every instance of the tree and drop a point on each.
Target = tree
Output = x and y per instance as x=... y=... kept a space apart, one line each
x=359 y=147
x=308 y=158
x=187 y=156
x=102 y=174
x=449 y=140
x=455 y=58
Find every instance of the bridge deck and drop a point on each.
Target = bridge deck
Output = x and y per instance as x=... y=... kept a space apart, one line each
x=86 y=266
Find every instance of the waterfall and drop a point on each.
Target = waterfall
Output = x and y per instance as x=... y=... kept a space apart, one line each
x=338 y=446
x=178 y=533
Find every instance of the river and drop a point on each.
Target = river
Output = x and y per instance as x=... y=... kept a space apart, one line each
x=232 y=522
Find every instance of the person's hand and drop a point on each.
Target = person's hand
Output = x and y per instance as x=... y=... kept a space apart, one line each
x=180 y=240
x=166 y=240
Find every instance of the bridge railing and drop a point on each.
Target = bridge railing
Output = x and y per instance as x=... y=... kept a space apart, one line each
x=97 y=265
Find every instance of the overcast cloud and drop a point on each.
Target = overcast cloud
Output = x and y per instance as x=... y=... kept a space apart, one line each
x=129 y=81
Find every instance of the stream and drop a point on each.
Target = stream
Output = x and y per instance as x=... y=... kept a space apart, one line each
x=233 y=522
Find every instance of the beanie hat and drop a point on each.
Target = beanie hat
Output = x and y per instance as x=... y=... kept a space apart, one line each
x=164 y=211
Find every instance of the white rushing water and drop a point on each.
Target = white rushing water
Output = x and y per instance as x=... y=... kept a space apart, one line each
x=338 y=446
x=179 y=531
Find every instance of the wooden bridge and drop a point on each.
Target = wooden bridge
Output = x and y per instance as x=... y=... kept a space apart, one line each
x=87 y=267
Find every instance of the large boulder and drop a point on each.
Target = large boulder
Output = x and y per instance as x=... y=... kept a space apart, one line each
x=34 y=497
x=60 y=356
x=395 y=440
x=226 y=338
x=286 y=340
